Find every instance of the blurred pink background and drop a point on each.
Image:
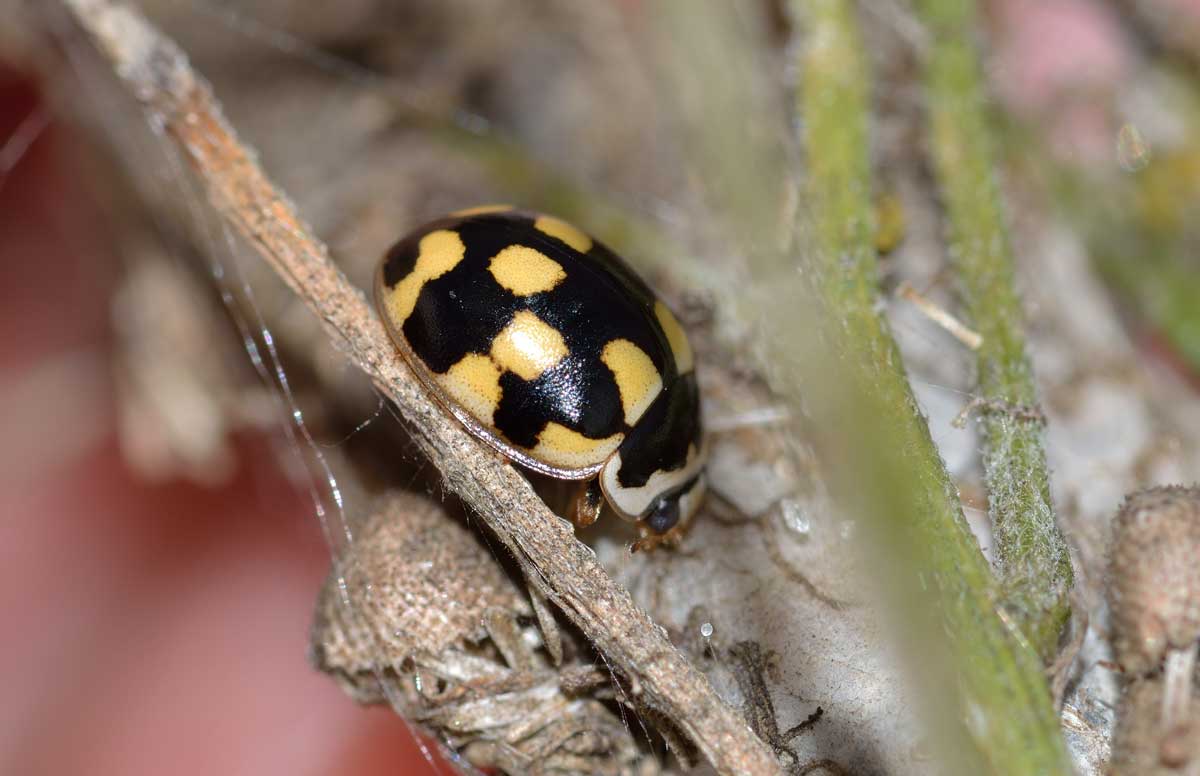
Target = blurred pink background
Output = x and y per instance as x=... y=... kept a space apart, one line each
x=146 y=628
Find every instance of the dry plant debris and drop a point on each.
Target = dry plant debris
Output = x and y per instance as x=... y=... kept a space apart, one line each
x=428 y=612
x=178 y=397
x=1154 y=588
x=1154 y=596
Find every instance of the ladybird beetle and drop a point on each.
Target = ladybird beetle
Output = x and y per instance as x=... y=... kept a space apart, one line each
x=547 y=346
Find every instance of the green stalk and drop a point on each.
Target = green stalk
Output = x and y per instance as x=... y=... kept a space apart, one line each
x=1032 y=560
x=987 y=704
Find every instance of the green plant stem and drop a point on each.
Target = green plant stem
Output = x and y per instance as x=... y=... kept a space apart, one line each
x=991 y=711
x=1032 y=560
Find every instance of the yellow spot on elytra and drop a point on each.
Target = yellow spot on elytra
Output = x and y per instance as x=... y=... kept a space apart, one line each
x=560 y=446
x=637 y=379
x=525 y=271
x=481 y=209
x=528 y=346
x=563 y=231
x=474 y=382
x=437 y=253
x=676 y=336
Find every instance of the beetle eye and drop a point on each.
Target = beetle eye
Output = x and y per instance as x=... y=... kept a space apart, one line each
x=665 y=514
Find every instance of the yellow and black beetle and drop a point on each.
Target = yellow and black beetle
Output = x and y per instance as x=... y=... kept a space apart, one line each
x=547 y=346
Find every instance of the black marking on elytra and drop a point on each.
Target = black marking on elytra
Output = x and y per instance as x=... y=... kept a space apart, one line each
x=523 y=411
x=401 y=260
x=600 y=299
x=661 y=438
x=577 y=393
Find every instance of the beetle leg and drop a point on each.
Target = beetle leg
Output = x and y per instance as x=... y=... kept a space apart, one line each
x=589 y=500
x=650 y=541
x=647 y=543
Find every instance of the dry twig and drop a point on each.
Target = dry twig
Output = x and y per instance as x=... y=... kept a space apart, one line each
x=176 y=99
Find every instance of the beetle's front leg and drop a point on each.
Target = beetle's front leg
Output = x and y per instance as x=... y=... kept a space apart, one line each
x=650 y=540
